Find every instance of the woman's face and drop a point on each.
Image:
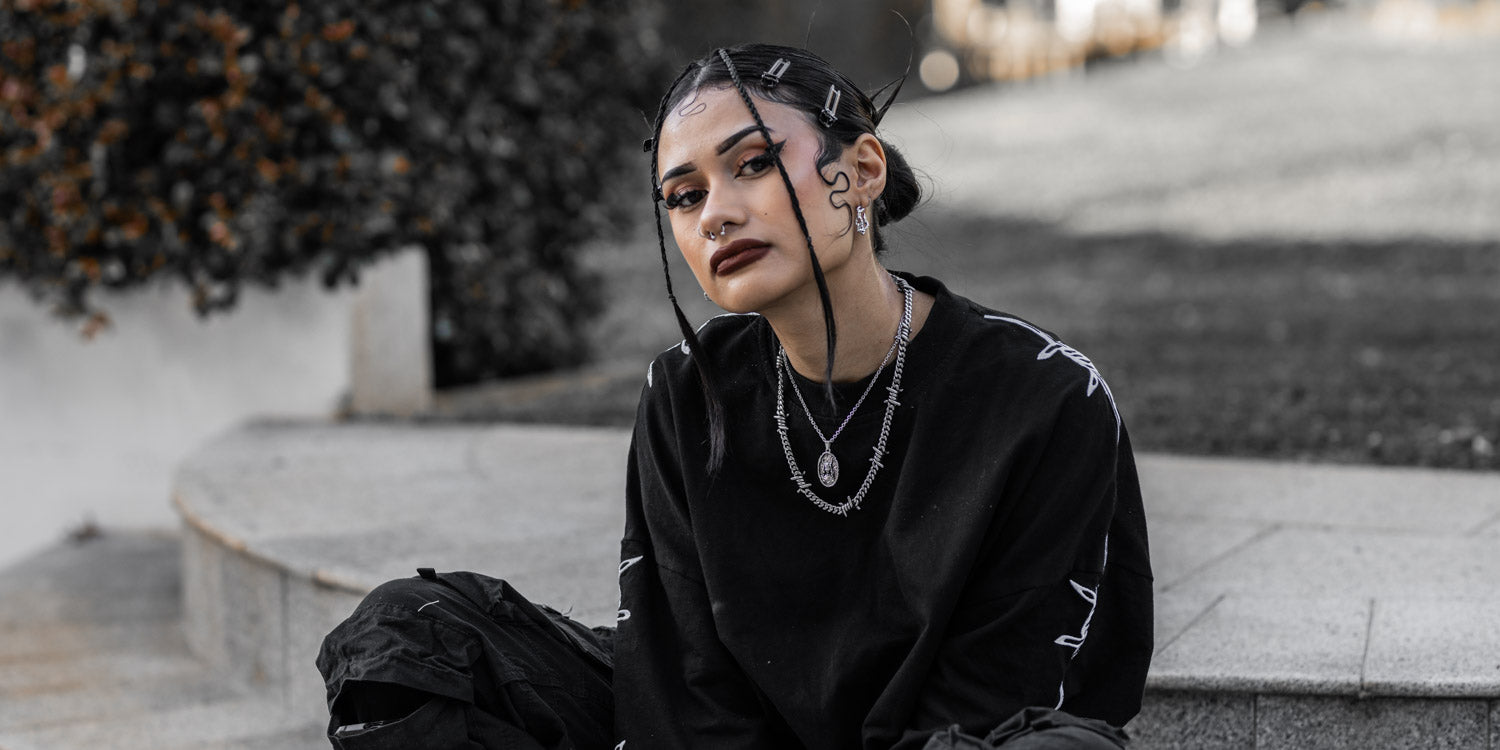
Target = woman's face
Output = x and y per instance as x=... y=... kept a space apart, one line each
x=717 y=172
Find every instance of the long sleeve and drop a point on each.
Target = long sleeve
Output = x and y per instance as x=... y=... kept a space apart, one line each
x=675 y=684
x=971 y=581
x=1045 y=619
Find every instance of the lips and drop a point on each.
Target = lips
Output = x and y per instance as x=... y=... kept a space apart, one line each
x=737 y=255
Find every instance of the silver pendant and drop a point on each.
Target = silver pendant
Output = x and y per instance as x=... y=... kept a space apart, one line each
x=828 y=469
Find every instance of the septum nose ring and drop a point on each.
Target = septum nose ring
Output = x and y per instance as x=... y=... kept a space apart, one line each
x=711 y=235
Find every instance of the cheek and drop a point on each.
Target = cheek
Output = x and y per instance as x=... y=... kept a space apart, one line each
x=819 y=196
x=689 y=244
x=823 y=217
x=681 y=227
x=678 y=228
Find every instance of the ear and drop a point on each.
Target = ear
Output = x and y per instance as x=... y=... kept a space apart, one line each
x=869 y=168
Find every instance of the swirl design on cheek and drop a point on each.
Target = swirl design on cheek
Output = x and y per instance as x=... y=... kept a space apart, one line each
x=839 y=184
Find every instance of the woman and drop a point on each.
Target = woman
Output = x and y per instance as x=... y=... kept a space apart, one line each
x=861 y=511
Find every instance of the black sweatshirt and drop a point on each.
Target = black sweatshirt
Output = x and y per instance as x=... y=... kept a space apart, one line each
x=998 y=561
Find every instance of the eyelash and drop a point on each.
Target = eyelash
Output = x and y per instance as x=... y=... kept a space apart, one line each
x=761 y=162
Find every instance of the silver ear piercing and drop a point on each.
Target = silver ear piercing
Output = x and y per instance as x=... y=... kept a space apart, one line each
x=861 y=224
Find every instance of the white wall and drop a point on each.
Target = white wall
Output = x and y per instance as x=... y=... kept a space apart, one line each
x=92 y=430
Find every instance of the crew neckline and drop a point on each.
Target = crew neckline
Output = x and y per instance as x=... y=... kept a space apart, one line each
x=924 y=353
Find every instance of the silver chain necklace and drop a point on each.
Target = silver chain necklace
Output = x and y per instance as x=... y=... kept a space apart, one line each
x=827 y=464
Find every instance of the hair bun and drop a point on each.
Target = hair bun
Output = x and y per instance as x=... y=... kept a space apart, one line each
x=902 y=192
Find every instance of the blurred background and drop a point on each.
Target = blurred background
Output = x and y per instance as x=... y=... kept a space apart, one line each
x=1275 y=226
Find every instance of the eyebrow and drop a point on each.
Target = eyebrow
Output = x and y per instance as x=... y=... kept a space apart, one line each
x=724 y=145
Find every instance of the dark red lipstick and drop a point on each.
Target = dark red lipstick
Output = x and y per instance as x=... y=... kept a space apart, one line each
x=737 y=255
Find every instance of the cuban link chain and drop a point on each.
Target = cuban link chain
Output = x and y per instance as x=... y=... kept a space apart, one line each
x=903 y=336
x=828 y=464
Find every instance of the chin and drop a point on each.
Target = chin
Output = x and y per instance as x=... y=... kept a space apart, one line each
x=734 y=302
x=772 y=281
x=750 y=292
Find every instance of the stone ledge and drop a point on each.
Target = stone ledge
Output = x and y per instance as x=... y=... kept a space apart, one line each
x=1193 y=720
x=288 y=525
x=1336 y=586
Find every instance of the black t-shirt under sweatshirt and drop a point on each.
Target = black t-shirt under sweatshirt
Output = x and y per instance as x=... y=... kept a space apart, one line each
x=998 y=561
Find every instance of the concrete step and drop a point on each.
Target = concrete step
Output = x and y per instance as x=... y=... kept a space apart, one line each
x=41 y=642
x=46 y=658
x=1297 y=606
x=301 y=738
x=125 y=672
x=346 y=507
x=51 y=706
x=92 y=655
x=110 y=580
x=237 y=723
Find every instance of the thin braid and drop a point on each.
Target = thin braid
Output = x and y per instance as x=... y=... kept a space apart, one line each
x=828 y=324
x=717 y=435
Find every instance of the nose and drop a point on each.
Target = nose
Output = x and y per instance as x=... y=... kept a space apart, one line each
x=721 y=213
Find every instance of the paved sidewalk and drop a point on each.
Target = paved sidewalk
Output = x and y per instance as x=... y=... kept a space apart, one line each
x=1360 y=599
x=1319 y=579
x=1298 y=606
x=92 y=655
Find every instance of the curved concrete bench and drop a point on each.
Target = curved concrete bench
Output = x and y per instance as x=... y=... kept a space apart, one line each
x=287 y=526
x=1297 y=606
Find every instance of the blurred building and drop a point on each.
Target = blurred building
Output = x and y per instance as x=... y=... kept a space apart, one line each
x=952 y=42
x=865 y=39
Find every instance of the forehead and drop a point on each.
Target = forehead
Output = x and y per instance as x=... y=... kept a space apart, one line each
x=695 y=127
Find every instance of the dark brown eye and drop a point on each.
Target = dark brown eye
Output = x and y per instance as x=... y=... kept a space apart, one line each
x=762 y=161
x=684 y=198
x=757 y=164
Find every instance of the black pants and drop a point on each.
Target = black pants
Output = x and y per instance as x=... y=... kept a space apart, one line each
x=461 y=661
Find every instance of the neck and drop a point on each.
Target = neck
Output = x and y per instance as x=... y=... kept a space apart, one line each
x=867 y=307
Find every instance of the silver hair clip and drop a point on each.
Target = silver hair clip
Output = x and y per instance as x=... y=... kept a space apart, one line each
x=829 y=115
x=771 y=77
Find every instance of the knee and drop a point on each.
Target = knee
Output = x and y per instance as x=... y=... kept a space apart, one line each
x=405 y=593
x=1063 y=738
x=1050 y=729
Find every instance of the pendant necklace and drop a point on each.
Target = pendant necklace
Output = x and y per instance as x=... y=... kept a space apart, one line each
x=828 y=465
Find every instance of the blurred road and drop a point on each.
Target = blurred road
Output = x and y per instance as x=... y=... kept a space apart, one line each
x=1328 y=129
x=1319 y=130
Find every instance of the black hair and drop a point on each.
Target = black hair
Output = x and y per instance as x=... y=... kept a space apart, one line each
x=803 y=84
